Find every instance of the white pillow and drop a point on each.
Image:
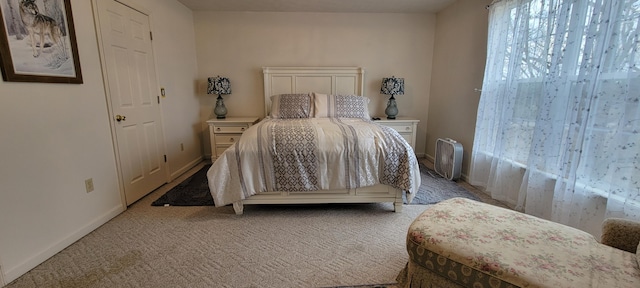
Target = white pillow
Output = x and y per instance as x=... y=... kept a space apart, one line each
x=288 y=106
x=341 y=106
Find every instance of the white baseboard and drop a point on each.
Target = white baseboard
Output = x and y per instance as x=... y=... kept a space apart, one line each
x=430 y=158
x=185 y=168
x=14 y=272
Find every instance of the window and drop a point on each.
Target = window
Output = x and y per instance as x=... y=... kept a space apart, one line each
x=561 y=99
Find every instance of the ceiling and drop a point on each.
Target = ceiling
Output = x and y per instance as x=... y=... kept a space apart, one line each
x=347 y=6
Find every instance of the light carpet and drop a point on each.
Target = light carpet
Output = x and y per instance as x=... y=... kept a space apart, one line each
x=204 y=246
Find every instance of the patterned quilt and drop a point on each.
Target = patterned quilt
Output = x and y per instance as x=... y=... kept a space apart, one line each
x=313 y=154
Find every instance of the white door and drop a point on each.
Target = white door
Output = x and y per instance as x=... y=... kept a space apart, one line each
x=132 y=90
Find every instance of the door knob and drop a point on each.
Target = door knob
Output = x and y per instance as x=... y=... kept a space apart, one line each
x=121 y=118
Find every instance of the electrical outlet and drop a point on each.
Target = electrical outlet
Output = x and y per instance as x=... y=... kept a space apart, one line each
x=88 y=184
x=181 y=147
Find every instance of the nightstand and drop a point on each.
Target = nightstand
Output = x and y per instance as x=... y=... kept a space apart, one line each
x=225 y=132
x=406 y=126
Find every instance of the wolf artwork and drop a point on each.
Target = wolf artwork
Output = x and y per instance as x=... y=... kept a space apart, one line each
x=38 y=26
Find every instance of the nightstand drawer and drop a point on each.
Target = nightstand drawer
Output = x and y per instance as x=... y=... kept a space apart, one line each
x=229 y=129
x=227 y=139
x=406 y=127
x=402 y=128
x=408 y=137
x=220 y=149
x=226 y=132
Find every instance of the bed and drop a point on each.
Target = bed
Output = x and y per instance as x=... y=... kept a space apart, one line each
x=317 y=144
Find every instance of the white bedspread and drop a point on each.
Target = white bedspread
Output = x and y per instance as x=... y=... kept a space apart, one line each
x=313 y=154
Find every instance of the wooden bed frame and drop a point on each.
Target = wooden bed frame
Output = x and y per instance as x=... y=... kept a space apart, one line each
x=326 y=80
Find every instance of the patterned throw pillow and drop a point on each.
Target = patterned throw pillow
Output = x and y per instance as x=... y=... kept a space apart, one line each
x=288 y=106
x=341 y=106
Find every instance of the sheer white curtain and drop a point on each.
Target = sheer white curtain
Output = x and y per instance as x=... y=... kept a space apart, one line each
x=558 y=126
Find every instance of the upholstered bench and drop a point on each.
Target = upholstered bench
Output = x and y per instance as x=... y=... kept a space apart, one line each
x=464 y=243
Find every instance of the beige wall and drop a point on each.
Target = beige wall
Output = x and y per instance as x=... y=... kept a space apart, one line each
x=458 y=68
x=54 y=136
x=238 y=44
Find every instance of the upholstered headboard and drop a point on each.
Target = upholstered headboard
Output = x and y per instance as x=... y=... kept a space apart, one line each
x=326 y=80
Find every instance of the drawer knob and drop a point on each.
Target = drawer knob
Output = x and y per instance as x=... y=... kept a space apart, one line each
x=242 y=129
x=407 y=128
x=231 y=139
x=218 y=129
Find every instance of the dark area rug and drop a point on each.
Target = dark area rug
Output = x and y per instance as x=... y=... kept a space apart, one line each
x=194 y=191
x=434 y=188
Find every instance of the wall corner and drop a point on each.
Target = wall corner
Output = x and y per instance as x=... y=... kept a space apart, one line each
x=2 y=277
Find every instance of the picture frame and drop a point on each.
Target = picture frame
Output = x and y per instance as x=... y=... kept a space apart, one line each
x=47 y=23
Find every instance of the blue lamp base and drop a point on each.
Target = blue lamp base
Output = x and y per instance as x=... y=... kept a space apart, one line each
x=392 y=109
x=220 y=110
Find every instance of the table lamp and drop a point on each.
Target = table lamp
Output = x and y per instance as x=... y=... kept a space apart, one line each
x=392 y=86
x=221 y=86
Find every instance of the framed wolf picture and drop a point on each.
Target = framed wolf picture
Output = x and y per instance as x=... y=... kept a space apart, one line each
x=38 y=42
